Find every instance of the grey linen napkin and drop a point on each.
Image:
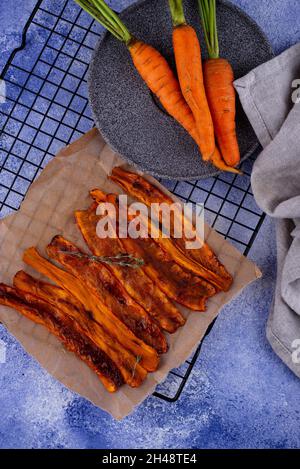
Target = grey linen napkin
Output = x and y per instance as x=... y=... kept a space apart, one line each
x=266 y=96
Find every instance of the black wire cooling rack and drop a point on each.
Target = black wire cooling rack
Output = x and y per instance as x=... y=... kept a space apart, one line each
x=46 y=108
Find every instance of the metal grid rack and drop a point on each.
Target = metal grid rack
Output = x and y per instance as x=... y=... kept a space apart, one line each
x=47 y=107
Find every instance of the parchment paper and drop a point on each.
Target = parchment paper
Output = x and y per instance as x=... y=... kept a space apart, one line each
x=47 y=210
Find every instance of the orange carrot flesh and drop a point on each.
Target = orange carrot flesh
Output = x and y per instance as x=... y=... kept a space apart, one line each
x=218 y=78
x=218 y=82
x=217 y=160
x=189 y=69
x=160 y=79
x=116 y=331
x=150 y=64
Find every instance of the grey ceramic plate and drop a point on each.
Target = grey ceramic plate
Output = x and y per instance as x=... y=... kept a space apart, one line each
x=125 y=111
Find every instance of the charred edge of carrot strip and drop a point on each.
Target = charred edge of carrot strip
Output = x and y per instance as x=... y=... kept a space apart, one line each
x=60 y=325
x=112 y=292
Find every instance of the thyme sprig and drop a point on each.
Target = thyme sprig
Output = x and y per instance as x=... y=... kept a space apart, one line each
x=137 y=361
x=123 y=259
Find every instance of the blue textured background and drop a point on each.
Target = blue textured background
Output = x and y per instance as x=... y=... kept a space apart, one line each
x=239 y=393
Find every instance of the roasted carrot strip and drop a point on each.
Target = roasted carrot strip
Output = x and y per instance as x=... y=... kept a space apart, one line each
x=116 y=332
x=66 y=330
x=177 y=255
x=217 y=160
x=166 y=244
x=72 y=307
x=144 y=191
x=137 y=283
x=51 y=293
x=178 y=284
x=105 y=285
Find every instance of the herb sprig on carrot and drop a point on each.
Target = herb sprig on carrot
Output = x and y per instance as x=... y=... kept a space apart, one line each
x=218 y=81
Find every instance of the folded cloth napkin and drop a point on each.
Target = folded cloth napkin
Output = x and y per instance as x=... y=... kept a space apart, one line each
x=269 y=97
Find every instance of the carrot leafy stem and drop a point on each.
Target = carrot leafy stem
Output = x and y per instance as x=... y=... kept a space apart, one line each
x=177 y=12
x=208 y=14
x=102 y=13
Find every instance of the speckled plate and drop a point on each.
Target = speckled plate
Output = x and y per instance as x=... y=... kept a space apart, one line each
x=127 y=114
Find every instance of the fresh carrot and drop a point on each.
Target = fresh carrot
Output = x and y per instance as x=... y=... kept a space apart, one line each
x=157 y=74
x=187 y=53
x=151 y=65
x=153 y=68
x=218 y=80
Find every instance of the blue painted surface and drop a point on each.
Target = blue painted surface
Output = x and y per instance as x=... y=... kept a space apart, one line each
x=239 y=393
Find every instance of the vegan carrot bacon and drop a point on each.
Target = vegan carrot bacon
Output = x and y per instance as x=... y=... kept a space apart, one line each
x=141 y=189
x=105 y=285
x=114 y=331
x=218 y=80
x=49 y=292
x=176 y=254
x=178 y=284
x=187 y=53
x=139 y=286
x=66 y=302
x=175 y=282
x=65 y=329
x=150 y=64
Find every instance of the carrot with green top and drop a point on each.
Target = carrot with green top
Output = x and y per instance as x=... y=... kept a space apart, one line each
x=218 y=80
x=187 y=53
x=151 y=65
x=154 y=69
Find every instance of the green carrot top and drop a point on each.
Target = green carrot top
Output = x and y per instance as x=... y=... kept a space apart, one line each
x=177 y=12
x=207 y=9
x=101 y=12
